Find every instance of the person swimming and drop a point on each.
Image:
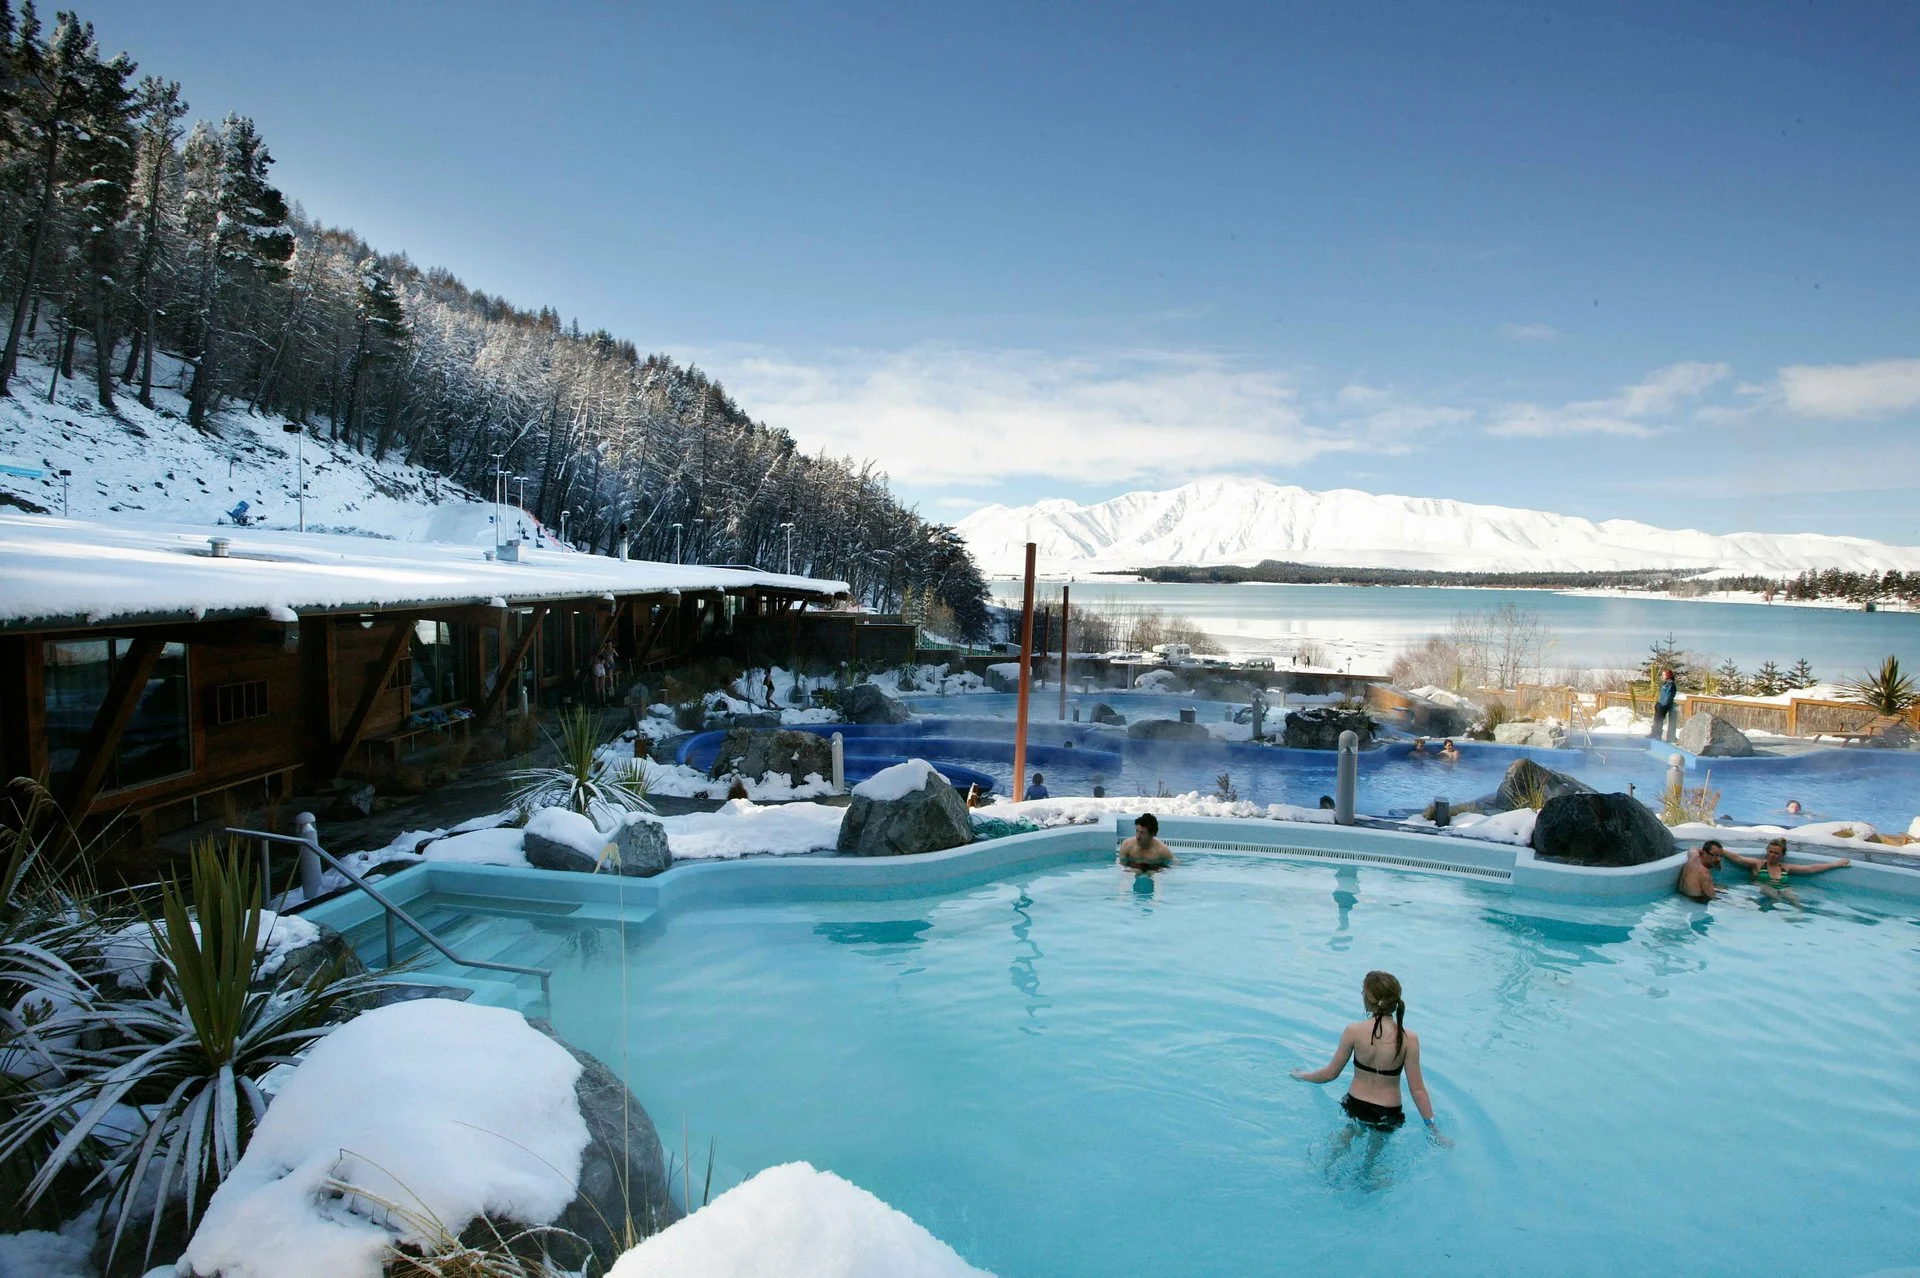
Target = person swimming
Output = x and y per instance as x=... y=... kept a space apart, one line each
x=1419 y=750
x=1449 y=752
x=1145 y=851
x=1382 y=1049
x=1696 y=876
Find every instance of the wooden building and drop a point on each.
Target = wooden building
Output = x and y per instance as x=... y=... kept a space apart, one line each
x=148 y=670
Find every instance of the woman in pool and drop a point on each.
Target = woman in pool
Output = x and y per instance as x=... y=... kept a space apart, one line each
x=1145 y=851
x=1449 y=751
x=1770 y=872
x=1382 y=1048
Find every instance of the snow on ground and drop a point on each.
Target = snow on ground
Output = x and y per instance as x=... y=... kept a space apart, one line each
x=898 y=781
x=1514 y=827
x=499 y=846
x=1856 y=835
x=919 y=680
x=743 y=828
x=130 y=956
x=1087 y=811
x=799 y=1222
x=148 y=464
x=43 y=1253
x=407 y=1141
x=1442 y=697
x=1620 y=719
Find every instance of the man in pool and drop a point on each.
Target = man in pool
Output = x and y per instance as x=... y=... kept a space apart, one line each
x=1145 y=851
x=1696 y=876
x=1419 y=750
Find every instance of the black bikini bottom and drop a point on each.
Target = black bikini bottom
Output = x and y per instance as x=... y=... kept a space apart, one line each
x=1381 y=1117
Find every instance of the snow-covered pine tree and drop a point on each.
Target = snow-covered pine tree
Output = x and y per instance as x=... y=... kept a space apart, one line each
x=1769 y=680
x=159 y=109
x=1801 y=675
x=1728 y=679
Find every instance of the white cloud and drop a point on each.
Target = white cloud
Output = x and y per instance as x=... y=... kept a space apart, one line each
x=1657 y=395
x=1843 y=392
x=941 y=414
x=1531 y=332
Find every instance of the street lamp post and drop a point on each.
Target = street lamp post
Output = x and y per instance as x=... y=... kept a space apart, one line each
x=788 y=526
x=499 y=497
x=66 y=478
x=300 y=467
x=676 y=543
x=563 y=526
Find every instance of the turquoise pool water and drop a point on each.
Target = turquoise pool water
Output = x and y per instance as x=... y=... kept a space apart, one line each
x=1060 y=1074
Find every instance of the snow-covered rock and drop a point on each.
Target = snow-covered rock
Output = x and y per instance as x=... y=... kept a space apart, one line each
x=798 y=1222
x=130 y=957
x=905 y=809
x=1242 y=521
x=744 y=828
x=429 y=1110
x=1089 y=811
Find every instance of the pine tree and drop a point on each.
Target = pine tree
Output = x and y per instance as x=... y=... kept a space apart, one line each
x=52 y=83
x=1732 y=683
x=238 y=223
x=103 y=160
x=1801 y=676
x=1769 y=680
x=160 y=109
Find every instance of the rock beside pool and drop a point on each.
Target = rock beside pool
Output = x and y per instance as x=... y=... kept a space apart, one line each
x=1104 y=713
x=790 y=754
x=867 y=703
x=1167 y=730
x=301 y=963
x=1004 y=676
x=1711 y=737
x=1600 y=829
x=623 y=1173
x=903 y=810
x=1524 y=780
x=1527 y=732
x=1320 y=728
x=640 y=847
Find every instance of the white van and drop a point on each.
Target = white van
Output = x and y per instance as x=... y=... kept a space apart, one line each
x=1173 y=654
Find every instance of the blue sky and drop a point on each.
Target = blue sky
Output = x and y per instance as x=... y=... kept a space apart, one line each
x=1651 y=261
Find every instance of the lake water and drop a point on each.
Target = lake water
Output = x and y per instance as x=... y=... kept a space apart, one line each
x=1369 y=624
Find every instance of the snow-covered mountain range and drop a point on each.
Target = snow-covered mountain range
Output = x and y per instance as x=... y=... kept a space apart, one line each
x=1243 y=521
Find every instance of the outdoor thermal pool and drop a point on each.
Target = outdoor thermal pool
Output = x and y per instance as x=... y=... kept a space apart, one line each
x=1073 y=1071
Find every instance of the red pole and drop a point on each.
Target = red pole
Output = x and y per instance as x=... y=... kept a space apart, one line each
x=1026 y=685
x=1066 y=603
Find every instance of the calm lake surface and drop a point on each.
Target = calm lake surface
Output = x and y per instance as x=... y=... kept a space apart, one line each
x=1369 y=624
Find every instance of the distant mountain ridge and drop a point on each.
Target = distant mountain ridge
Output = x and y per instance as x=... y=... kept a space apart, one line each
x=1243 y=521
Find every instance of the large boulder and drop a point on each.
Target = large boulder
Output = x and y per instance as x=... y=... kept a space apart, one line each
x=547 y=853
x=1167 y=730
x=1319 y=728
x=902 y=810
x=1104 y=713
x=1004 y=676
x=866 y=703
x=792 y=754
x=1525 y=779
x=1527 y=732
x=1711 y=737
x=623 y=1172
x=326 y=952
x=765 y=720
x=1600 y=829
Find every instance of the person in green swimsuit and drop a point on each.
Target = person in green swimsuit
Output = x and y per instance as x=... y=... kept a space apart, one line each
x=1770 y=872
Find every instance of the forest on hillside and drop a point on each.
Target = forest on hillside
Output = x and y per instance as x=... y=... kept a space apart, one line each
x=127 y=232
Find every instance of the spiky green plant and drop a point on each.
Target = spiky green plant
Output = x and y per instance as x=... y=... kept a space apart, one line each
x=187 y=1062
x=1680 y=805
x=584 y=780
x=1888 y=690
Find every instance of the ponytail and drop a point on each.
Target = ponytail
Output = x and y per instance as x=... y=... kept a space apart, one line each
x=1381 y=990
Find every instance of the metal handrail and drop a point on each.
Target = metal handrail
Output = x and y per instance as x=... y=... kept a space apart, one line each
x=393 y=912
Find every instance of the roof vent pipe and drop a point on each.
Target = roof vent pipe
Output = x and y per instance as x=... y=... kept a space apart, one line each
x=217 y=547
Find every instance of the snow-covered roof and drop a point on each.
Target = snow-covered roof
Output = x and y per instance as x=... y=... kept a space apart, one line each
x=60 y=572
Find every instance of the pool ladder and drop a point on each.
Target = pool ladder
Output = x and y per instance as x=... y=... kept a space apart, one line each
x=310 y=843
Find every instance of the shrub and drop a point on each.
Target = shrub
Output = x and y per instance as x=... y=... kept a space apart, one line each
x=1888 y=690
x=585 y=780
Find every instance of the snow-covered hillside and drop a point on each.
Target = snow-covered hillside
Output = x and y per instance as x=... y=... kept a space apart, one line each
x=1242 y=521
x=150 y=465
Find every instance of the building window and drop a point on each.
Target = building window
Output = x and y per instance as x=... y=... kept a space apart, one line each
x=237 y=702
x=158 y=741
x=438 y=674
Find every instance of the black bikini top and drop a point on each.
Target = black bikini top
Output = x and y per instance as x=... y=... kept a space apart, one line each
x=1384 y=1073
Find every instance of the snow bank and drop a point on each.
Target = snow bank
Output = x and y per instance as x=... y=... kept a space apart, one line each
x=897 y=782
x=495 y=1132
x=797 y=1222
x=130 y=956
x=681 y=781
x=569 y=828
x=1832 y=834
x=1084 y=811
x=1156 y=681
x=498 y=846
x=1620 y=719
x=743 y=828
x=1514 y=827
x=1442 y=697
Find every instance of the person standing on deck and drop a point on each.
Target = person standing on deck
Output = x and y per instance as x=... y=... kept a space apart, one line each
x=1663 y=707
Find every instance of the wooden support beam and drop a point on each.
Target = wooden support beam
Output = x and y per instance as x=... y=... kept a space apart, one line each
x=109 y=724
x=653 y=633
x=382 y=671
x=509 y=662
x=607 y=626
